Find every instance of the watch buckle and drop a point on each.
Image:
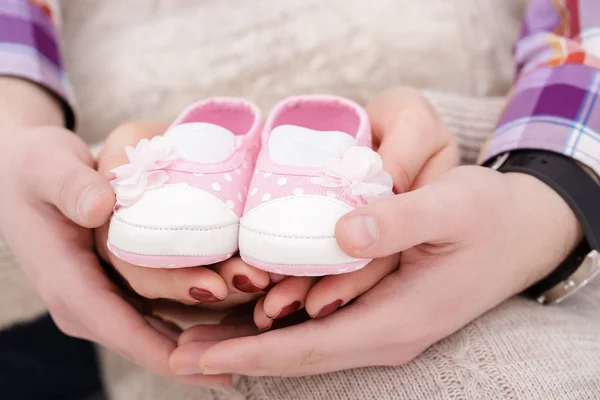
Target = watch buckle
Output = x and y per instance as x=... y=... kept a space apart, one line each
x=499 y=161
x=588 y=270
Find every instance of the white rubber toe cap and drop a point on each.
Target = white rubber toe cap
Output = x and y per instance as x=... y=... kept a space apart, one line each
x=297 y=230
x=175 y=220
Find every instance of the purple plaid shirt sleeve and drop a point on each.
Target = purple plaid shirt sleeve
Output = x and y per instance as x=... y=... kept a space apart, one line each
x=29 y=47
x=554 y=104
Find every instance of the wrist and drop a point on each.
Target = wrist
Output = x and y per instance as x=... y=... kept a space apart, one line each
x=548 y=229
x=25 y=104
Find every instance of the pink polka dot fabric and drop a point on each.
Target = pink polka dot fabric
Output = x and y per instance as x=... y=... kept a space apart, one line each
x=230 y=179
x=271 y=181
x=268 y=186
x=230 y=186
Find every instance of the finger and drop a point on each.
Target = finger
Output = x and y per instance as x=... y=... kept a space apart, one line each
x=288 y=296
x=313 y=347
x=134 y=337
x=186 y=285
x=204 y=333
x=184 y=316
x=447 y=158
x=182 y=363
x=261 y=320
x=241 y=277
x=113 y=153
x=333 y=292
x=409 y=133
x=63 y=176
x=166 y=328
x=149 y=348
x=434 y=213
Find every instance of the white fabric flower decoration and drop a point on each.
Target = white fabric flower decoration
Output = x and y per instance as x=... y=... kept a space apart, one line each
x=361 y=171
x=145 y=169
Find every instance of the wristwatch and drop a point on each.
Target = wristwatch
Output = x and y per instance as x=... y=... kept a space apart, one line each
x=582 y=193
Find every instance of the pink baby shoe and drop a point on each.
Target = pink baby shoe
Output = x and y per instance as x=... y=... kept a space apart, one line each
x=315 y=165
x=180 y=198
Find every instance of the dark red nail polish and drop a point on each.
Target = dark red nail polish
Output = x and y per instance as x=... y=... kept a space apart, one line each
x=203 y=295
x=287 y=310
x=328 y=309
x=244 y=284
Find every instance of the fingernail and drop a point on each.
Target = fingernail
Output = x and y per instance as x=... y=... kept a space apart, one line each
x=87 y=199
x=244 y=284
x=328 y=309
x=210 y=371
x=187 y=370
x=266 y=328
x=287 y=310
x=203 y=295
x=362 y=231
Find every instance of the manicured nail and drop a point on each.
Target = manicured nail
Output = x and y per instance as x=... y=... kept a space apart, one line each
x=187 y=370
x=287 y=310
x=328 y=309
x=266 y=328
x=362 y=231
x=86 y=200
x=203 y=295
x=244 y=284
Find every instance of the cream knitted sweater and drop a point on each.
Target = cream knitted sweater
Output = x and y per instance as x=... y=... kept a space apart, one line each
x=130 y=59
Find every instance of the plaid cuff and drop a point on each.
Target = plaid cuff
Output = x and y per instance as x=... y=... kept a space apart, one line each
x=555 y=109
x=29 y=49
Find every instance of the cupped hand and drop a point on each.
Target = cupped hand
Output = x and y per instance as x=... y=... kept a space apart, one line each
x=51 y=197
x=469 y=240
x=416 y=148
x=191 y=286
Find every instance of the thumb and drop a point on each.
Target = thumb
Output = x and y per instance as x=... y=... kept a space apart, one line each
x=436 y=214
x=63 y=175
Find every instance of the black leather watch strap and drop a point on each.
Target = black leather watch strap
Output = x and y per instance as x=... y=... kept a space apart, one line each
x=577 y=188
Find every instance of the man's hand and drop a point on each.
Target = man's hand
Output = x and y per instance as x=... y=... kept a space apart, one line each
x=416 y=148
x=51 y=195
x=469 y=240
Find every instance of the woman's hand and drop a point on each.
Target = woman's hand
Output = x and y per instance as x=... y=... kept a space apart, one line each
x=469 y=240
x=416 y=148
x=191 y=286
x=51 y=196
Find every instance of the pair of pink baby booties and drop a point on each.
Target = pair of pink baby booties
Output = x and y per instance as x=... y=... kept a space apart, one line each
x=219 y=181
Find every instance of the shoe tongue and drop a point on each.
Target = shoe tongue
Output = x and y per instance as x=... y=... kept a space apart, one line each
x=202 y=142
x=302 y=147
